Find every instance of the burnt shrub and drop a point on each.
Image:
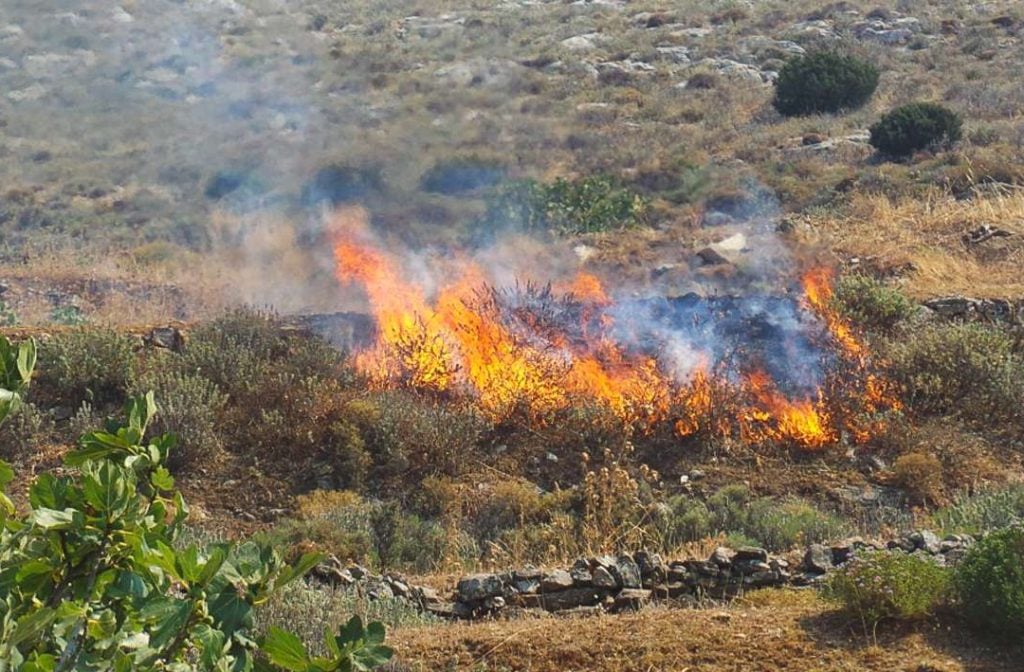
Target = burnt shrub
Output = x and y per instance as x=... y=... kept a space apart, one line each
x=990 y=584
x=339 y=183
x=461 y=175
x=824 y=81
x=914 y=127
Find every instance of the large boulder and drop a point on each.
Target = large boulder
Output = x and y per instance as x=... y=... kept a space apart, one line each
x=478 y=587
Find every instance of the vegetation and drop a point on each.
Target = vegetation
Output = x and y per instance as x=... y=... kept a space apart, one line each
x=824 y=81
x=91 y=577
x=586 y=205
x=914 y=127
x=983 y=512
x=871 y=304
x=990 y=584
x=887 y=585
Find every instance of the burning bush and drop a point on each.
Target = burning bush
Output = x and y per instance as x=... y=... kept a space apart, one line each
x=824 y=82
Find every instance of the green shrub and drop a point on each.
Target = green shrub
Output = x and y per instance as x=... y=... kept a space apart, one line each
x=889 y=584
x=872 y=305
x=190 y=408
x=235 y=351
x=970 y=370
x=990 y=584
x=776 y=524
x=824 y=81
x=90 y=364
x=27 y=428
x=983 y=512
x=92 y=580
x=916 y=126
x=565 y=207
x=307 y=609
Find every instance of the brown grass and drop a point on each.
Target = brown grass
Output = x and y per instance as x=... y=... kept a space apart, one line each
x=920 y=241
x=774 y=630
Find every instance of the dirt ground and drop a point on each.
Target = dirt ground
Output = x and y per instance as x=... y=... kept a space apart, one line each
x=768 y=631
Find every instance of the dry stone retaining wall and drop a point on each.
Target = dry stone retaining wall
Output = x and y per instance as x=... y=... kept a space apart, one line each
x=629 y=581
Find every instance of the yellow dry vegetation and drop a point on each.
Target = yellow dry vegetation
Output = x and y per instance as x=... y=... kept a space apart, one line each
x=920 y=241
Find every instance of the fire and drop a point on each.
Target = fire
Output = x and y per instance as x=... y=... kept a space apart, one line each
x=542 y=349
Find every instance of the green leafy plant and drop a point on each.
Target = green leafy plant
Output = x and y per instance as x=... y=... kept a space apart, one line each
x=824 y=81
x=90 y=577
x=567 y=207
x=914 y=127
x=355 y=649
x=88 y=364
x=880 y=585
x=68 y=315
x=872 y=305
x=983 y=511
x=990 y=584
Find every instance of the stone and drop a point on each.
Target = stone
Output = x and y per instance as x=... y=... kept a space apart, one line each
x=710 y=257
x=526 y=586
x=494 y=603
x=626 y=572
x=925 y=540
x=581 y=42
x=563 y=599
x=751 y=553
x=477 y=587
x=631 y=599
x=602 y=578
x=527 y=573
x=427 y=595
x=722 y=556
x=555 y=581
x=168 y=338
x=651 y=565
x=580 y=573
x=817 y=559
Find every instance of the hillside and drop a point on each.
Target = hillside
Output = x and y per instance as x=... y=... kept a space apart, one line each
x=494 y=303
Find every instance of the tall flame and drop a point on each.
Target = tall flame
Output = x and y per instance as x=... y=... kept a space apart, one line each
x=462 y=340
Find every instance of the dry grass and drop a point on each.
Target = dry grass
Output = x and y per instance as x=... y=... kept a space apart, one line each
x=773 y=630
x=919 y=240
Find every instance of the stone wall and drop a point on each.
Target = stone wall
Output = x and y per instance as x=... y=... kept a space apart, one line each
x=629 y=581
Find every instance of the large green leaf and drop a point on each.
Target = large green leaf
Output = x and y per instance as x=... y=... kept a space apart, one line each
x=169 y=615
x=107 y=488
x=285 y=650
x=31 y=625
x=52 y=519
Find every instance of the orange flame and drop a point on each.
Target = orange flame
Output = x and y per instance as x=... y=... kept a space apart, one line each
x=459 y=342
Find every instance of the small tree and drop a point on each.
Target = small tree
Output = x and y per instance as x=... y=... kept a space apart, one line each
x=90 y=578
x=990 y=584
x=824 y=82
x=913 y=127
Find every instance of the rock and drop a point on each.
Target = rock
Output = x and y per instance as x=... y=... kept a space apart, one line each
x=563 y=599
x=626 y=572
x=478 y=587
x=716 y=218
x=710 y=257
x=426 y=595
x=580 y=573
x=581 y=42
x=526 y=586
x=442 y=609
x=751 y=553
x=631 y=599
x=651 y=565
x=925 y=540
x=813 y=139
x=817 y=559
x=494 y=603
x=722 y=556
x=527 y=573
x=168 y=338
x=678 y=55
x=602 y=578
x=555 y=581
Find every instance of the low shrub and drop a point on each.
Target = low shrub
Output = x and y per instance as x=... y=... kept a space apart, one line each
x=90 y=364
x=968 y=370
x=914 y=127
x=982 y=512
x=990 y=584
x=190 y=408
x=920 y=474
x=566 y=207
x=889 y=585
x=824 y=81
x=871 y=305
